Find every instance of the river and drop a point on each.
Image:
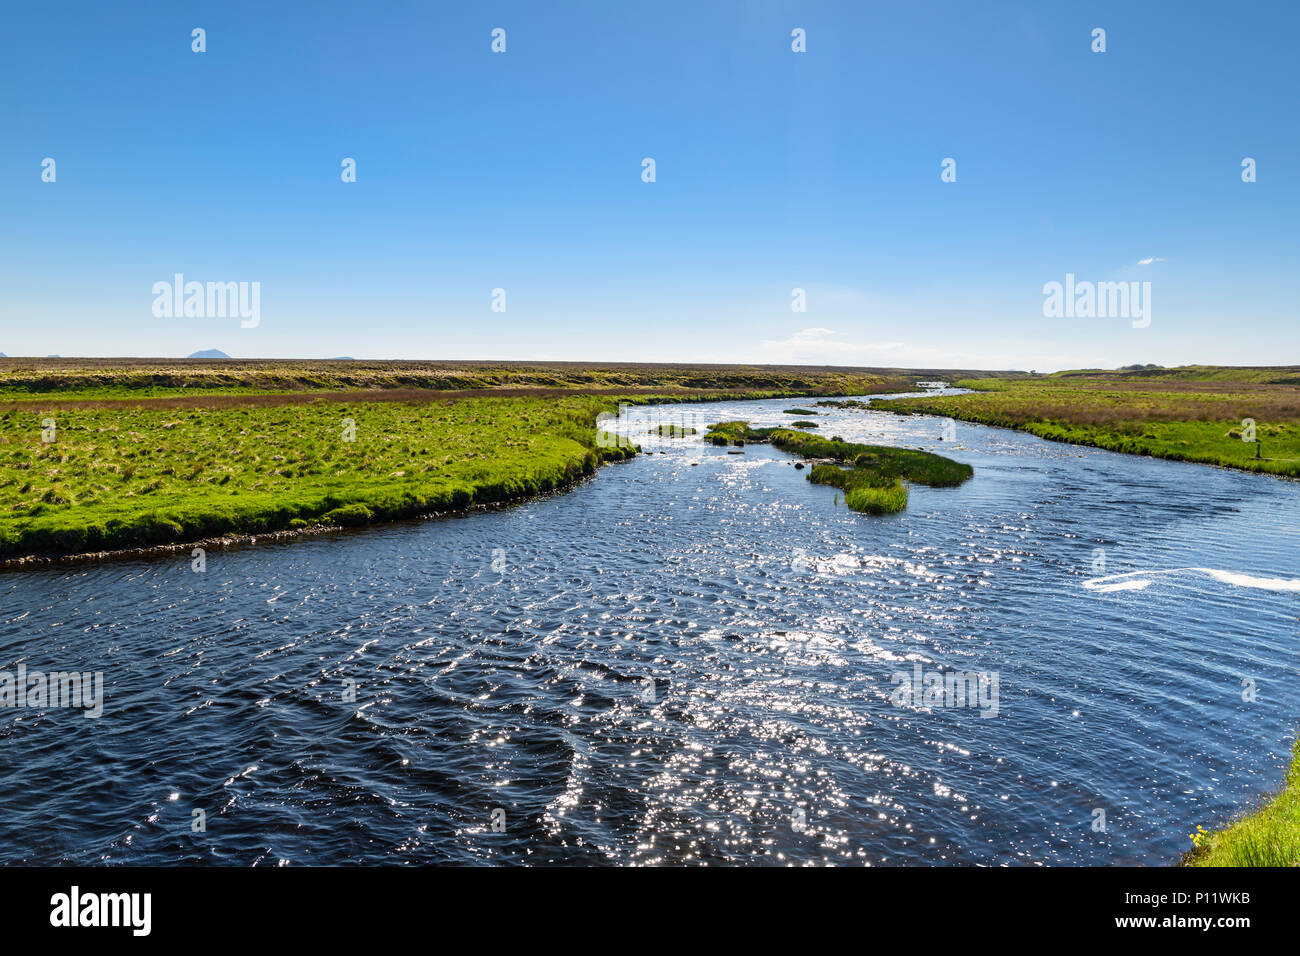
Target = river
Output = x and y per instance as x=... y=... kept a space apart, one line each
x=692 y=657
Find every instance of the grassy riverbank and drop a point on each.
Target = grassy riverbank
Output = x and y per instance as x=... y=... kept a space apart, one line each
x=103 y=455
x=873 y=482
x=126 y=477
x=1268 y=837
x=1195 y=414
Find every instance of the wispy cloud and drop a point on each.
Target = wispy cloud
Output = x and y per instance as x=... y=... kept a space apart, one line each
x=1150 y=259
x=821 y=345
x=824 y=346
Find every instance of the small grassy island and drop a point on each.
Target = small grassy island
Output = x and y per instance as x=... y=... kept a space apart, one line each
x=873 y=482
x=799 y=411
x=673 y=431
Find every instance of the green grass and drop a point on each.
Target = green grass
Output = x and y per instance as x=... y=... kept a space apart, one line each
x=736 y=433
x=129 y=476
x=877 y=501
x=803 y=424
x=1268 y=837
x=907 y=464
x=799 y=411
x=864 y=489
x=874 y=481
x=1190 y=415
x=673 y=431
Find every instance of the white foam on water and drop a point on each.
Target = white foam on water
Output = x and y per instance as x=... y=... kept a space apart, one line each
x=1119 y=586
x=1138 y=580
x=1250 y=581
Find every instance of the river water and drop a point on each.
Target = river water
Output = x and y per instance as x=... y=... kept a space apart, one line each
x=692 y=657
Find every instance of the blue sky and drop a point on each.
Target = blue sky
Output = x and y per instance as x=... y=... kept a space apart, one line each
x=775 y=170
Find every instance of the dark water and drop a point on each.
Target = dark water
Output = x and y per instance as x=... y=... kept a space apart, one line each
x=771 y=622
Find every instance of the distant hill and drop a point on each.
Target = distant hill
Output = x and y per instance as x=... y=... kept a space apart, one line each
x=341 y=358
x=209 y=353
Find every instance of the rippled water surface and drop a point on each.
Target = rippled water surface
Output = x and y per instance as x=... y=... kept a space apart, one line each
x=682 y=660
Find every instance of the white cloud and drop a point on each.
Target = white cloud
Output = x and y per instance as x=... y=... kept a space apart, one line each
x=820 y=346
x=1150 y=259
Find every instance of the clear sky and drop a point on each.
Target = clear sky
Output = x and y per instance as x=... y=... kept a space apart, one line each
x=775 y=170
